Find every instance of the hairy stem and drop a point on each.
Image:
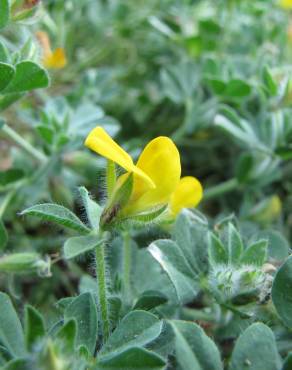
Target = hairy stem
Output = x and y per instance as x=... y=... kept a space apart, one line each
x=102 y=290
x=127 y=263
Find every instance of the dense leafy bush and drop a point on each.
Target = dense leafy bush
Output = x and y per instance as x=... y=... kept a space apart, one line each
x=132 y=262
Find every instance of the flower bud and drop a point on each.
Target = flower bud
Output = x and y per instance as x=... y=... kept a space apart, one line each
x=24 y=9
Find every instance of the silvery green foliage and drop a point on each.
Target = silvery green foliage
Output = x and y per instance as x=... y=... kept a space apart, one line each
x=229 y=282
x=205 y=294
x=236 y=271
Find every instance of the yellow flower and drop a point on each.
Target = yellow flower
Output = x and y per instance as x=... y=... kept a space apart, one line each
x=286 y=4
x=156 y=176
x=51 y=59
x=187 y=194
x=268 y=210
x=56 y=59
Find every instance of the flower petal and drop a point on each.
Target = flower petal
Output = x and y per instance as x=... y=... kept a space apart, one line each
x=187 y=194
x=286 y=4
x=57 y=59
x=100 y=142
x=160 y=160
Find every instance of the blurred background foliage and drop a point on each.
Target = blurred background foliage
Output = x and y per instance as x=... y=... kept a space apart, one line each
x=212 y=75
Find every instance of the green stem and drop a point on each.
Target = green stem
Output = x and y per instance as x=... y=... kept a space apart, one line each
x=224 y=187
x=192 y=314
x=7 y=199
x=13 y=188
x=127 y=263
x=102 y=290
x=180 y=132
x=13 y=135
x=110 y=177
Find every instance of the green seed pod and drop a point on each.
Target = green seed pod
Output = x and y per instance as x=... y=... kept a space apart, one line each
x=19 y=263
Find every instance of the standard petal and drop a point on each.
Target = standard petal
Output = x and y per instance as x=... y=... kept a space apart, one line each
x=160 y=160
x=187 y=194
x=100 y=142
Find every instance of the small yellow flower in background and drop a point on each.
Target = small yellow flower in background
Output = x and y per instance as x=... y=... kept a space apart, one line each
x=286 y=4
x=156 y=176
x=268 y=210
x=51 y=59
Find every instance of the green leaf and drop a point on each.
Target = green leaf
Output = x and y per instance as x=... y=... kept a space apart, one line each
x=9 y=176
x=210 y=26
x=179 y=81
x=58 y=214
x=282 y=292
x=11 y=333
x=284 y=152
x=173 y=262
x=4 y=13
x=194 y=349
x=287 y=365
x=150 y=216
x=237 y=89
x=239 y=128
x=256 y=253
x=269 y=82
x=67 y=334
x=217 y=85
x=144 y=268
x=138 y=328
x=4 y=355
x=34 y=327
x=9 y=99
x=244 y=167
x=133 y=358
x=3 y=235
x=18 y=364
x=190 y=232
x=256 y=349
x=28 y=76
x=3 y=53
x=93 y=210
x=6 y=74
x=46 y=133
x=63 y=303
x=161 y=26
x=83 y=310
x=235 y=246
x=216 y=250
x=278 y=245
x=149 y=300
x=77 y=245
